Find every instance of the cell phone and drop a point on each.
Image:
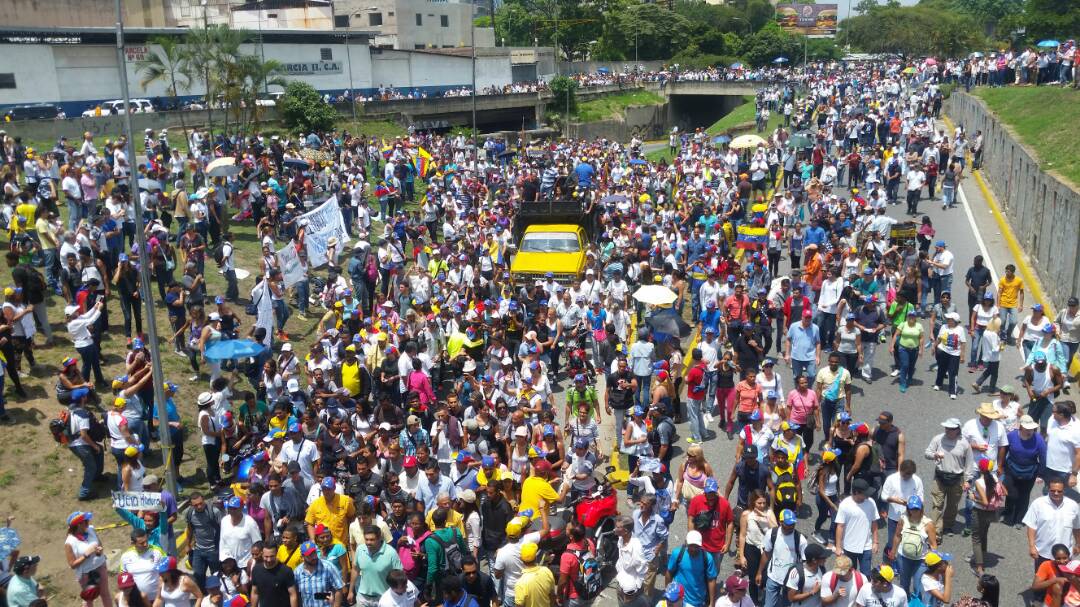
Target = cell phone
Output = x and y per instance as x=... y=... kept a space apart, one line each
x=321 y=596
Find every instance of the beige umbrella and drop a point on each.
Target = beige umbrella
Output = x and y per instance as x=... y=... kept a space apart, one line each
x=743 y=142
x=655 y=295
x=223 y=167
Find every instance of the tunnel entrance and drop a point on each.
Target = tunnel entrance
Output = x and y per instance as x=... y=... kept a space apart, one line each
x=692 y=111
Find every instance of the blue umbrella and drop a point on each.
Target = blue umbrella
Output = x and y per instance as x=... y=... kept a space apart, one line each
x=603 y=70
x=638 y=161
x=721 y=139
x=1049 y=44
x=736 y=66
x=298 y=163
x=230 y=349
x=780 y=60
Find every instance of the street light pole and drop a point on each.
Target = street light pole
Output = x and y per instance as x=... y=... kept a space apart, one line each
x=348 y=62
x=472 y=43
x=262 y=52
x=145 y=292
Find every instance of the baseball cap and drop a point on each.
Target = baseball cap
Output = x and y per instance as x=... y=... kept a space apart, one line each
x=860 y=486
x=528 y=551
x=673 y=592
x=934 y=557
x=234 y=502
x=1039 y=356
x=755 y=415
x=409 y=461
x=735 y=583
x=1037 y=307
x=515 y=526
x=327 y=483
x=939 y=243
x=750 y=452
x=79 y=517
x=788 y=517
x=884 y=573
x=487 y=461
x=711 y=485
x=815 y=552
x=914 y=503
x=828 y=456
x=125 y=580
x=693 y=538
x=308 y=547
x=294 y=427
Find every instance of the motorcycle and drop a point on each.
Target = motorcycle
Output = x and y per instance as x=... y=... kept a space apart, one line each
x=596 y=512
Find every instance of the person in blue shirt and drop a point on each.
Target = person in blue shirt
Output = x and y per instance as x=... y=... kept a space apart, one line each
x=584 y=172
x=710 y=318
x=814 y=234
x=176 y=431
x=803 y=346
x=454 y=595
x=696 y=570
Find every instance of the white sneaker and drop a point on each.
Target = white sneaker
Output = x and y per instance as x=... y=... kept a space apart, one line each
x=708 y=418
x=952 y=396
x=895 y=373
x=937 y=388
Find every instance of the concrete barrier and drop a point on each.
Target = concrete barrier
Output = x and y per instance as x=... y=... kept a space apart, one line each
x=1043 y=210
x=113 y=126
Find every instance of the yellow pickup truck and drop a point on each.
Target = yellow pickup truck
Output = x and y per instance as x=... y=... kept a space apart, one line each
x=558 y=248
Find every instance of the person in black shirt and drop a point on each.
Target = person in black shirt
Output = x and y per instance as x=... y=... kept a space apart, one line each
x=478 y=584
x=750 y=474
x=272 y=583
x=977 y=280
x=496 y=512
x=891 y=440
x=126 y=280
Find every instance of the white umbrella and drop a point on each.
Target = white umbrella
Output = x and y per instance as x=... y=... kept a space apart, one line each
x=746 y=141
x=656 y=295
x=223 y=167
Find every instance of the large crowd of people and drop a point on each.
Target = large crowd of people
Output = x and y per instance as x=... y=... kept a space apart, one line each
x=443 y=435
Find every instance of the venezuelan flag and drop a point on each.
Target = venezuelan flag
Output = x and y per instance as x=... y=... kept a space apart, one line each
x=751 y=237
x=383 y=189
x=387 y=150
x=423 y=161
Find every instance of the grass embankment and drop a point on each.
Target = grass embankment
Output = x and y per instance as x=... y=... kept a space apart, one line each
x=611 y=106
x=741 y=116
x=33 y=468
x=1044 y=119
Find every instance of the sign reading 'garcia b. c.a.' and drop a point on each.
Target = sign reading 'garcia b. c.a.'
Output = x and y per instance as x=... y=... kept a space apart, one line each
x=313 y=68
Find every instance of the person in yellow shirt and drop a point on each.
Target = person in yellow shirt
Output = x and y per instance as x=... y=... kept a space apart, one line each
x=536 y=492
x=289 y=550
x=332 y=510
x=536 y=586
x=491 y=471
x=1010 y=302
x=350 y=371
x=454 y=520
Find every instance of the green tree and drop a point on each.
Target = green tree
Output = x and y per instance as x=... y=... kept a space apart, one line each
x=913 y=30
x=652 y=30
x=1051 y=19
x=167 y=63
x=303 y=108
x=771 y=42
x=990 y=12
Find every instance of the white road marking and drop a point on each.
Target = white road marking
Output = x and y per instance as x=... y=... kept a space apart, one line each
x=975 y=231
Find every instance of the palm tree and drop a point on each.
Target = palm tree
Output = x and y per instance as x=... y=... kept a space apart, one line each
x=169 y=64
x=199 y=54
x=259 y=75
x=228 y=60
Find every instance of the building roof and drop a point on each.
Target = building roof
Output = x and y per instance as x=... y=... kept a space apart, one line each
x=139 y=35
x=266 y=5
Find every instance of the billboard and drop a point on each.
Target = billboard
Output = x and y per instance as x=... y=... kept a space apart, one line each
x=807 y=19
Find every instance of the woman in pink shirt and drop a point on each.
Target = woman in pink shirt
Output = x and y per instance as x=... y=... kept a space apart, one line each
x=803 y=408
x=419 y=382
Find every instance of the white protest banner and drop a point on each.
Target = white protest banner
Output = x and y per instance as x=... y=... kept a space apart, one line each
x=322 y=223
x=136 y=500
x=289 y=262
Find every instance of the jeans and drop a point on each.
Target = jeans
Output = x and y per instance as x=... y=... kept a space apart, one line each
x=642 y=397
x=232 y=291
x=800 y=367
x=869 y=347
x=201 y=560
x=913 y=201
x=129 y=306
x=1009 y=318
x=908 y=358
x=948 y=364
x=861 y=560
x=303 y=293
x=948 y=195
x=52 y=264
x=91 y=359
x=93 y=463
x=1017 y=498
x=710 y=391
x=825 y=513
x=775 y=594
x=41 y=319
x=976 y=338
x=281 y=313
x=75 y=208
x=911 y=570
x=696 y=419
x=620 y=419
x=829 y=410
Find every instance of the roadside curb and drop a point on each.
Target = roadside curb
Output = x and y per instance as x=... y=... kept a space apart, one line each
x=1031 y=279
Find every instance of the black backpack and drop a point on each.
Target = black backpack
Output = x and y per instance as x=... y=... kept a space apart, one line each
x=451 y=552
x=798 y=553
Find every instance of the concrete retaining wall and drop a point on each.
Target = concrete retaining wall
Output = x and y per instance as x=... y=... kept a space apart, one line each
x=645 y=122
x=1044 y=211
x=113 y=126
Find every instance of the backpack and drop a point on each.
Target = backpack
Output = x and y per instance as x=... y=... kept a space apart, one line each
x=786 y=486
x=704 y=565
x=814 y=488
x=589 y=581
x=798 y=542
x=372 y=268
x=802 y=576
x=60 y=427
x=218 y=252
x=451 y=552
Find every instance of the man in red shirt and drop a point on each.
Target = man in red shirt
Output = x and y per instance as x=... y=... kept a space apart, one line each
x=737 y=307
x=711 y=515
x=569 y=565
x=695 y=395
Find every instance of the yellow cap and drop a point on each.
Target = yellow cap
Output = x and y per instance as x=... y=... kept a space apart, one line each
x=828 y=456
x=513 y=528
x=932 y=558
x=131 y=451
x=120 y=401
x=8 y=291
x=117 y=384
x=886 y=573
x=528 y=552
x=339 y=305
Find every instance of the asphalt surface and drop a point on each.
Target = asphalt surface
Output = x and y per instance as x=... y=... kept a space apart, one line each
x=969 y=230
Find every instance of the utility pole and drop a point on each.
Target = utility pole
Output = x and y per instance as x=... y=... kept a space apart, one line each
x=472 y=43
x=145 y=292
x=262 y=53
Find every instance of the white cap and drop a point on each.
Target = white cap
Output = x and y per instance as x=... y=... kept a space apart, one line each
x=507 y=360
x=693 y=538
x=521 y=431
x=286 y=347
x=214 y=316
x=68 y=311
x=293 y=385
x=384 y=426
x=952 y=422
x=469 y=366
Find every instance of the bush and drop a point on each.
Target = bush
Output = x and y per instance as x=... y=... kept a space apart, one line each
x=303 y=108
x=947 y=89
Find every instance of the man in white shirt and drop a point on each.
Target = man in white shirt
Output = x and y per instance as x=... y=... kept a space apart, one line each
x=78 y=327
x=804 y=583
x=508 y=565
x=784 y=548
x=895 y=492
x=881 y=592
x=301 y=451
x=840 y=586
x=1052 y=519
x=942 y=277
x=632 y=565
x=916 y=179
x=1062 y=444
x=856 y=526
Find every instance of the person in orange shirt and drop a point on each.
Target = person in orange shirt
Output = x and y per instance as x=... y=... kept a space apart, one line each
x=812 y=271
x=747 y=397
